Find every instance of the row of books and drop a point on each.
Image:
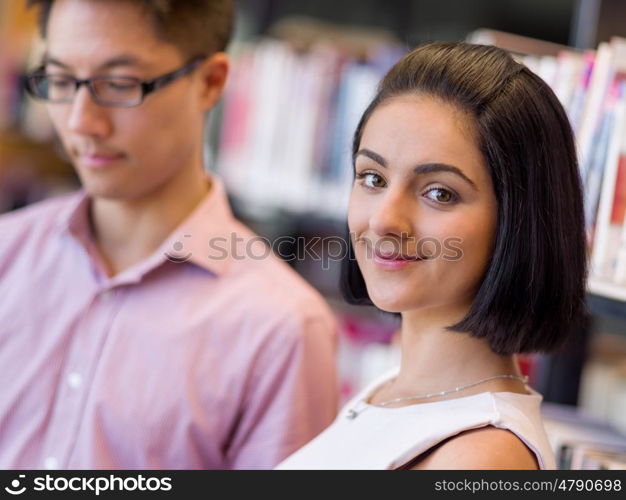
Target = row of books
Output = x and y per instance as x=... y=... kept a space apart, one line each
x=17 y=31
x=593 y=435
x=289 y=116
x=30 y=166
x=603 y=380
x=582 y=442
x=369 y=345
x=288 y=120
x=592 y=87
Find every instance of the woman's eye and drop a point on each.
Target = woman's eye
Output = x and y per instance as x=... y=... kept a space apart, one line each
x=371 y=180
x=441 y=195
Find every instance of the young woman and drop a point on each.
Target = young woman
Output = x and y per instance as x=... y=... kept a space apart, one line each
x=466 y=218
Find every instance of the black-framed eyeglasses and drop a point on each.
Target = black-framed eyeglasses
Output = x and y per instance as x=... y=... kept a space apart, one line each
x=123 y=91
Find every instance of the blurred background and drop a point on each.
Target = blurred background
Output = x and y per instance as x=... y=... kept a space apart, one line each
x=280 y=138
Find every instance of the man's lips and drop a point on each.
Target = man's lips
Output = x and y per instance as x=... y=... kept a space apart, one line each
x=99 y=159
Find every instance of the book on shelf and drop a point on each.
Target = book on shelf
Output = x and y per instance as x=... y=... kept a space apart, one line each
x=602 y=393
x=598 y=85
x=368 y=347
x=590 y=457
x=580 y=441
x=605 y=175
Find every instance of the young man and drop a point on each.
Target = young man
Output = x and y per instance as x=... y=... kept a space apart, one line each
x=141 y=325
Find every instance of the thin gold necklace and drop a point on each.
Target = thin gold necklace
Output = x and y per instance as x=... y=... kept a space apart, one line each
x=353 y=413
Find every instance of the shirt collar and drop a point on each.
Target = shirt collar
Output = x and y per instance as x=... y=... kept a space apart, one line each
x=203 y=238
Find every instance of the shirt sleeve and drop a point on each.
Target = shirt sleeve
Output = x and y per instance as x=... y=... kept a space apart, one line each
x=291 y=393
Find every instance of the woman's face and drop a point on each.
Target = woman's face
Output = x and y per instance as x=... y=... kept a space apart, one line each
x=422 y=210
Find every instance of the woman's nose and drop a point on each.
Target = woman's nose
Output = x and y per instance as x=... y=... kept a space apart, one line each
x=392 y=215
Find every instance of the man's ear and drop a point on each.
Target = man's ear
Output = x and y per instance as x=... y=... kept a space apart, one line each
x=213 y=73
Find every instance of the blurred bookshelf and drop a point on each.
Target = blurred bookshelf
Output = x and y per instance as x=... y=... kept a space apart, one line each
x=302 y=74
x=32 y=166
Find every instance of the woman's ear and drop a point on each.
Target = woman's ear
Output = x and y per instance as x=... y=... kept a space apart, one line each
x=213 y=73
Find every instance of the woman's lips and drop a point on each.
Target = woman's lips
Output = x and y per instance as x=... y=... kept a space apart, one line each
x=394 y=261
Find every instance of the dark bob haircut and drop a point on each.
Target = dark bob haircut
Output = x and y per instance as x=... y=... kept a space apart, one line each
x=196 y=27
x=532 y=295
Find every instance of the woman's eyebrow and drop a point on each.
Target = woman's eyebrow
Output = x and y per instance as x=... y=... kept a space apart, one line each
x=424 y=168
x=372 y=156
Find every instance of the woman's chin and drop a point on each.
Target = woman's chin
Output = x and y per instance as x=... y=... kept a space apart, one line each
x=389 y=304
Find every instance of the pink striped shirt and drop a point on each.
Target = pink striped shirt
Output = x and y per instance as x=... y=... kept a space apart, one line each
x=197 y=357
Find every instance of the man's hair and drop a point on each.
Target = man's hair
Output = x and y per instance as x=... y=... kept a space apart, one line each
x=532 y=295
x=196 y=27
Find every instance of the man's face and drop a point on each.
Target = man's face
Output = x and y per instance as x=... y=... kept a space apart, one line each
x=123 y=153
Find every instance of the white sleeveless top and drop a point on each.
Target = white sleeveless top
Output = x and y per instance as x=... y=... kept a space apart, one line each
x=387 y=438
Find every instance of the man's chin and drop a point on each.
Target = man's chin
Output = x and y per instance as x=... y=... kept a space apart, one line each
x=107 y=191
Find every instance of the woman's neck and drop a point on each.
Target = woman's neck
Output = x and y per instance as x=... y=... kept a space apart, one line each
x=434 y=359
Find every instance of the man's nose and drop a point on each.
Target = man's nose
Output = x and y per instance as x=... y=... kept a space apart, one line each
x=87 y=117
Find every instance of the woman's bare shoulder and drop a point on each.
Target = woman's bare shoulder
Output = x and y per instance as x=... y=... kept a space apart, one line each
x=484 y=448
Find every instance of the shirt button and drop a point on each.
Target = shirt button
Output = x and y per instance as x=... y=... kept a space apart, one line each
x=51 y=463
x=74 y=380
x=107 y=295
